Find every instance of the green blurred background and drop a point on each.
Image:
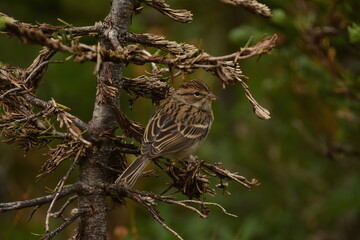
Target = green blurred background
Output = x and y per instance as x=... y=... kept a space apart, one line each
x=306 y=156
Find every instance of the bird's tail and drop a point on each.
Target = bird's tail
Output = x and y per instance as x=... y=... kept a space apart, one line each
x=130 y=175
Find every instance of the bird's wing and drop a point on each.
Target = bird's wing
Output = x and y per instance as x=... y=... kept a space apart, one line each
x=164 y=136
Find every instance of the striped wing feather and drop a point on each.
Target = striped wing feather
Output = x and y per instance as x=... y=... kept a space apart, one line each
x=164 y=136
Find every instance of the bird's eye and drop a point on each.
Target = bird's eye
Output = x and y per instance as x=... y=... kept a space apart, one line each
x=197 y=94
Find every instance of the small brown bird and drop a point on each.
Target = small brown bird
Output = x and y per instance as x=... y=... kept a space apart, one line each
x=176 y=129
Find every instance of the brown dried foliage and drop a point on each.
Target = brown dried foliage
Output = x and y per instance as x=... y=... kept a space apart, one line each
x=179 y=15
x=147 y=87
x=69 y=148
x=130 y=128
x=192 y=177
x=252 y=6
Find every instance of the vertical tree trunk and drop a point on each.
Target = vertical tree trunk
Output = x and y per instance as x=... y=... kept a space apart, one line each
x=92 y=198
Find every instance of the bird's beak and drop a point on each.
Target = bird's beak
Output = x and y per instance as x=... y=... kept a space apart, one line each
x=211 y=96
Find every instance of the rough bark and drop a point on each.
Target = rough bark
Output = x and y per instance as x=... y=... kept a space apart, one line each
x=92 y=198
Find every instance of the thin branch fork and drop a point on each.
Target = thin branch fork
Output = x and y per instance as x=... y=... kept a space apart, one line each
x=12 y=90
x=224 y=173
x=146 y=199
x=62 y=226
x=149 y=198
x=62 y=209
x=155 y=214
x=38 y=67
x=262 y=47
x=46 y=105
x=58 y=189
x=167 y=199
x=33 y=116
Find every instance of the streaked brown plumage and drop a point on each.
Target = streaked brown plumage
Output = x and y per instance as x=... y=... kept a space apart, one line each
x=176 y=129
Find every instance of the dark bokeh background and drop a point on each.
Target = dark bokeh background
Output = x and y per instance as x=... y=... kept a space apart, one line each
x=306 y=156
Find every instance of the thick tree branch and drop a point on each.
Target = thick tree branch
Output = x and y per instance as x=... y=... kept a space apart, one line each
x=5 y=207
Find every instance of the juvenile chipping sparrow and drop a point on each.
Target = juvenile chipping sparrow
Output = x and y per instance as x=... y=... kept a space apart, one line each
x=176 y=129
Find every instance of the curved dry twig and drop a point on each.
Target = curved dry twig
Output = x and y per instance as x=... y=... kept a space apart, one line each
x=62 y=226
x=58 y=189
x=39 y=67
x=155 y=214
x=12 y=90
x=62 y=209
x=209 y=203
x=226 y=174
x=46 y=105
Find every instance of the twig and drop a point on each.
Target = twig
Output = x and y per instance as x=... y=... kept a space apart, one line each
x=155 y=215
x=33 y=212
x=98 y=60
x=262 y=47
x=153 y=65
x=62 y=209
x=85 y=30
x=108 y=168
x=2 y=96
x=146 y=202
x=113 y=36
x=62 y=226
x=76 y=31
x=39 y=67
x=35 y=35
x=5 y=207
x=44 y=105
x=23 y=119
x=224 y=173
x=182 y=203
x=209 y=203
x=168 y=200
x=58 y=189
x=41 y=125
x=259 y=111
